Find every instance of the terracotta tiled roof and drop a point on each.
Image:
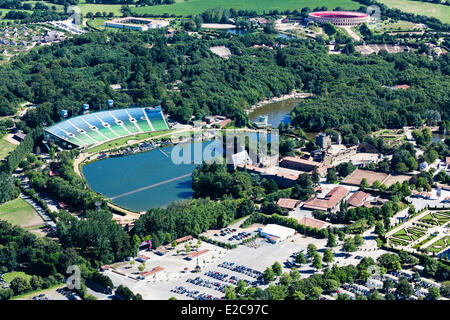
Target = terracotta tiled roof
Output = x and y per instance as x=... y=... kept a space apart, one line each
x=357 y=199
x=288 y=203
x=186 y=238
x=195 y=254
x=329 y=202
x=154 y=270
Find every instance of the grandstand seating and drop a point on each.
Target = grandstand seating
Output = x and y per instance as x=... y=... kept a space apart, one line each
x=100 y=127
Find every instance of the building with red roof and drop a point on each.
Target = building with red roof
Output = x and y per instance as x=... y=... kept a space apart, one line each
x=330 y=202
x=289 y=204
x=304 y=165
x=358 y=199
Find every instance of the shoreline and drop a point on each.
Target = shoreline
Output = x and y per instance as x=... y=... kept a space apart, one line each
x=289 y=96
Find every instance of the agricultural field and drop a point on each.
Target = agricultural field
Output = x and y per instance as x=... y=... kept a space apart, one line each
x=438 y=11
x=20 y=213
x=92 y=7
x=182 y=7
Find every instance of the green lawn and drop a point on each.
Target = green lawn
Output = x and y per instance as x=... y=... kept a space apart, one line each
x=398 y=241
x=438 y=11
x=402 y=235
x=17 y=212
x=97 y=23
x=442 y=218
x=182 y=7
x=415 y=233
x=390 y=25
x=420 y=244
x=440 y=245
x=122 y=141
x=5 y=148
x=8 y=277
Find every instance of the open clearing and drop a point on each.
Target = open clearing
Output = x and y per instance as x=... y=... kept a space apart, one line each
x=20 y=213
x=438 y=11
x=5 y=148
x=185 y=8
x=8 y=277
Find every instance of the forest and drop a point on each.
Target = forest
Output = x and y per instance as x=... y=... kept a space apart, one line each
x=348 y=88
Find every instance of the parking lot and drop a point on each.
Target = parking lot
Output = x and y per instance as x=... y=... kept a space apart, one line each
x=231 y=235
x=245 y=263
x=60 y=293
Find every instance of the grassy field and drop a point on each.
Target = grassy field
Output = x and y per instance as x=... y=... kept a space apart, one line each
x=5 y=148
x=185 y=8
x=18 y=212
x=438 y=11
x=389 y=26
x=124 y=141
x=97 y=23
x=92 y=7
x=8 y=277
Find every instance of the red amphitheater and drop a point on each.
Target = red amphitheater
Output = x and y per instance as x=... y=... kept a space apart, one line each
x=339 y=18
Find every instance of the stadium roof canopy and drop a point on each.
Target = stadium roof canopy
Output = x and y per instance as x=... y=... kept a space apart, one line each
x=100 y=127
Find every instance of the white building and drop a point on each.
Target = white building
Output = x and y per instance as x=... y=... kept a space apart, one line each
x=276 y=233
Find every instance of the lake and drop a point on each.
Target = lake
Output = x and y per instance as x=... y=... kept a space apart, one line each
x=152 y=179
x=122 y=177
x=278 y=112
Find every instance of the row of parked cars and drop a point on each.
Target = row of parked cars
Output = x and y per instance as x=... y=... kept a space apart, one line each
x=193 y=293
x=240 y=236
x=225 y=232
x=183 y=290
x=208 y=284
x=68 y=293
x=41 y=297
x=241 y=269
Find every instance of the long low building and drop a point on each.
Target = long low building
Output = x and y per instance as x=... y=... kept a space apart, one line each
x=330 y=202
x=276 y=233
x=139 y=24
x=283 y=177
x=304 y=165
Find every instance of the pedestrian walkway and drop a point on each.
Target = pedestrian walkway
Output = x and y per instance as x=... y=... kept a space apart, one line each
x=44 y=215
